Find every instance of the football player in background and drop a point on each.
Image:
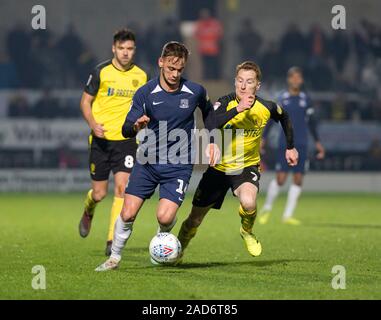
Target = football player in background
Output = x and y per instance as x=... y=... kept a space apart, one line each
x=298 y=105
x=105 y=103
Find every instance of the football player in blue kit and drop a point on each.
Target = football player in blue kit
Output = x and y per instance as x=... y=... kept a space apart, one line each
x=299 y=107
x=165 y=107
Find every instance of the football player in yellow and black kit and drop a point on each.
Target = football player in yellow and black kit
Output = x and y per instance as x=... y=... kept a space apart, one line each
x=105 y=103
x=239 y=170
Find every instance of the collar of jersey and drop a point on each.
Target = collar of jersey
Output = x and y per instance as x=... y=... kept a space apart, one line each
x=132 y=65
x=182 y=80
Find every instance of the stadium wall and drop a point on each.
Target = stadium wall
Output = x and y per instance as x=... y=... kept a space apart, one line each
x=62 y=180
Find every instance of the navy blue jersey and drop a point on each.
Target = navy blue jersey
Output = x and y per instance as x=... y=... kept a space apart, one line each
x=170 y=111
x=300 y=110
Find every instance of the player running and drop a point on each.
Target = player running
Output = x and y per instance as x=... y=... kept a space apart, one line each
x=168 y=101
x=105 y=103
x=298 y=105
x=239 y=171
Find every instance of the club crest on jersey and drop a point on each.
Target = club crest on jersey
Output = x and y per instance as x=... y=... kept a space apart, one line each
x=135 y=82
x=216 y=105
x=184 y=103
x=302 y=103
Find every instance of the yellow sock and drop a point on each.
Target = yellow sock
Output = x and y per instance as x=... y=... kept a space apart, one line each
x=186 y=234
x=90 y=204
x=116 y=208
x=247 y=219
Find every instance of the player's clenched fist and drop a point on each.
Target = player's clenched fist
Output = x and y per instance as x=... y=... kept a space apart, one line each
x=292 y=156
x=246 y=102
x=213 y=153
x=141 y=123
x=98 y=130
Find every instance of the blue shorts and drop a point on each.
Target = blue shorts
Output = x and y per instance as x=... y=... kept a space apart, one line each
x=173 y=181
x=302 y=166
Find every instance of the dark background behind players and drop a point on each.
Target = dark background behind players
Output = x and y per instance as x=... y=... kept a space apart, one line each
x=42 y=71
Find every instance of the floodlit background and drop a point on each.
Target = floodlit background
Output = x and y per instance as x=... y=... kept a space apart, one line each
x=43 y=139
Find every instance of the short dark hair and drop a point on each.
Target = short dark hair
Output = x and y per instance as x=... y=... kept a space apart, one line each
x=124 y=35
x=294 y=69
x=249 y=65
x=175 y=49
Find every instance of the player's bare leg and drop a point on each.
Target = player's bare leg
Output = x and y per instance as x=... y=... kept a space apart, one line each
x=120 y=182
x=292 y=199
x=166 y=217
x=272 y=194
x=189 y=227
x=123 y=230
x=96 y=194
x=247 y=194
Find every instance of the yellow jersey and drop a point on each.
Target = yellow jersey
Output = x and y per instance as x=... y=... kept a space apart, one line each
x=241 y=135
x=113 y=90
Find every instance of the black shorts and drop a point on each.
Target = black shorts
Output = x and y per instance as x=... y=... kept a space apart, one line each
x=107 y=155
x=214 y=184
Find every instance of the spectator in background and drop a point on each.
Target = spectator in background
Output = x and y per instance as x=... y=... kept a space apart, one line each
x=272 y=64
x=374 y=156
x=8 y=73
x=339 y=48
x=18 y=106
x=49 y=68
x=70 y=47
x=249 y=41
x=317 y=42
x=152 y=47
x=170 y=31
x=19 y=45
x=339 y=108
x=374 y=34
x=47 y=107
x=361 y=43
x=293 y=47
x=209 y=32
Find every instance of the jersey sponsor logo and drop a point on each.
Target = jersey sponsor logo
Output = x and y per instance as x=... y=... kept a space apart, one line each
x=110 y=91
x=156 y=103
x=184 y=103
x=216 y=106
x=251 y=132
x=120 y=92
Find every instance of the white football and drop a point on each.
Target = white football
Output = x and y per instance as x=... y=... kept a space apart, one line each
x=165 y=248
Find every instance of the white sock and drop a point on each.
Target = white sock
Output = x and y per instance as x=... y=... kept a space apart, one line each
x=121 y=234
x=163 y=228
x=292 y=199
x=272 y=193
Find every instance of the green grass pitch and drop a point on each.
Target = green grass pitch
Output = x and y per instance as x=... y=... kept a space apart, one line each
x=296 y=263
